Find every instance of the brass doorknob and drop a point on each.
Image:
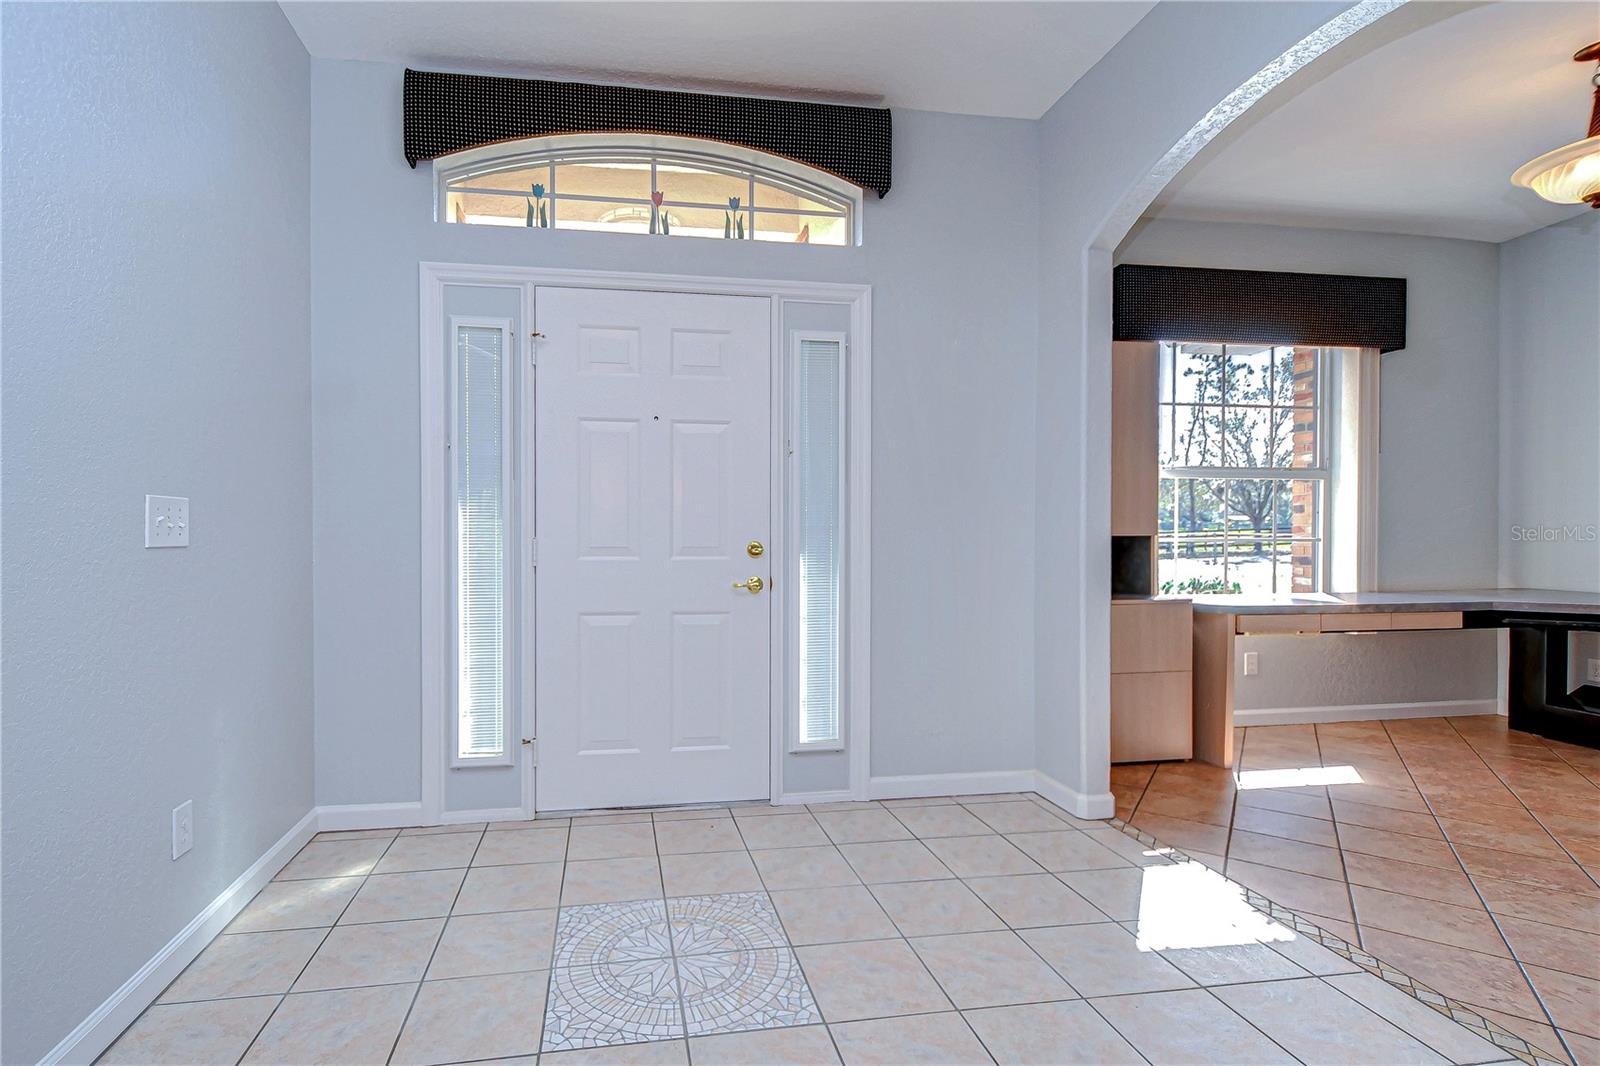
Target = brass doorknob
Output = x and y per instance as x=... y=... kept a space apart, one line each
x=755 y=549
x=755 y=585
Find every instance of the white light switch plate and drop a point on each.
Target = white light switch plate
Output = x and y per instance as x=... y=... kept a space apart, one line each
x=166 y=521
x=1251 y=663
x=182 y=828
x=1594 y=671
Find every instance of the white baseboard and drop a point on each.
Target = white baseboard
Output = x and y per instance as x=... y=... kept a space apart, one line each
x=369 y=816
x=105 y=1023
x=1080 y=804
x=909 y=786
x=1363 y=712
x=835 y=795
x=487 y=814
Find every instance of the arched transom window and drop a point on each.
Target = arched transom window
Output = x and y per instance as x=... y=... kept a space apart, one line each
x=639 y=183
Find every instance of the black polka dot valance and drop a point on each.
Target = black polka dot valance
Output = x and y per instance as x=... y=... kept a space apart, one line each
x=1196 y=304
x=446 y=113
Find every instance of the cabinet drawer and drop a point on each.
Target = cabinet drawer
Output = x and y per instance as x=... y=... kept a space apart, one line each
x=1277 y=623
x=1427 y=620
x=1151 y=716
x=1355 y=621
x=1151 y=636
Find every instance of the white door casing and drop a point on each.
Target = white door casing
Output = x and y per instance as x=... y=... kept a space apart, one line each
x=652 y=475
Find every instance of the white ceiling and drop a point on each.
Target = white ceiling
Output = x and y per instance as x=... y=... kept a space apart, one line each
x=1414 y=126
x=1008 y=59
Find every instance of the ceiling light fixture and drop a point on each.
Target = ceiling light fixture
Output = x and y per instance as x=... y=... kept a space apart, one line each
x=1570 y=175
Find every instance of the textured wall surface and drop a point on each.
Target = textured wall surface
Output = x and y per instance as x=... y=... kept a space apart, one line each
x=1549 y=393
x=954 y=343
x=156 y=340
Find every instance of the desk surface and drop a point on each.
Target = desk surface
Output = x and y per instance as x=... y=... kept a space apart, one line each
x=1426 y=600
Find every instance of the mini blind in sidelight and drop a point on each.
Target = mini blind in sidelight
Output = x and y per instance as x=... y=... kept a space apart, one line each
x=818 y=451
x=481 y=507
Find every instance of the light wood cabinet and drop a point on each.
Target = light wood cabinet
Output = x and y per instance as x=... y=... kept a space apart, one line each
x=1151 y=680
x=1426 y=620
x=1151 y=717
x=1346 y=622
x=1135 y=467
x=1151 y=636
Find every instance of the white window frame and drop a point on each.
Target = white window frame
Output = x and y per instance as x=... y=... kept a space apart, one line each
x=792 y=568
x=1322 y=472
x=508 y=613
x=655 y=149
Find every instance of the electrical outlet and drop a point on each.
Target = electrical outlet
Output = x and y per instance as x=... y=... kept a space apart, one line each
x=1252 y=665
x=166 y=521
x=182 y=828
x=1594 y=671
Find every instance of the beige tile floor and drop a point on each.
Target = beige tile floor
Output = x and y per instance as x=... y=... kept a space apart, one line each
x=993 y=928
x=1458 y=851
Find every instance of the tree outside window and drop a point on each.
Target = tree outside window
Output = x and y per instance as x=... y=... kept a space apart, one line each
x=1243 y=471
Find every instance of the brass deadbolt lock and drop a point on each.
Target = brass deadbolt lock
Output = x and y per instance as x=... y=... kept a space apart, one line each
x=755 y=550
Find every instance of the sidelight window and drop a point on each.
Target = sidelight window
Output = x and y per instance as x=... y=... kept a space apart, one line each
x=480 y=486
x=817 y=441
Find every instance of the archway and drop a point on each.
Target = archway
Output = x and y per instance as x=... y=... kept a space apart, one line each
x=1115 y=140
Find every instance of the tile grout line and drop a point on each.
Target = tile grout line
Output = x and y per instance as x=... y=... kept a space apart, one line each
x=314 y=951
x=416 y=993
x=672 y=945
x=1494 y=919
x=1522 y=803
x=1004 y=924
x=1415 y=1036
x=1232 y=813
x=1499 y=930
x=555 y=937
x=794 y=950
x=1338 y=839
x=1340 y=946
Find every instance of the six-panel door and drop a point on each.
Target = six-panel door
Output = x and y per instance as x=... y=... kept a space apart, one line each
x=652 y=476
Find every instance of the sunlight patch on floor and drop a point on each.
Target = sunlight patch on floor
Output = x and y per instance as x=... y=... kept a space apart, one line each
x=1189 y=905
x=1298 y=777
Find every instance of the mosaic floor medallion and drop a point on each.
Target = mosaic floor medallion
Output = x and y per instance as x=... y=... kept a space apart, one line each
x=737 y=990
x=736 y=921
x=612 y=1003
x=648 y=970
x=612 y=933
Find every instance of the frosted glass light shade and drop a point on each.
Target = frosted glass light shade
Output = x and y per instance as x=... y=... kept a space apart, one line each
x=1569 y=175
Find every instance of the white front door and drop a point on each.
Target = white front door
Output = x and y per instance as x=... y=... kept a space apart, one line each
x=652 y=478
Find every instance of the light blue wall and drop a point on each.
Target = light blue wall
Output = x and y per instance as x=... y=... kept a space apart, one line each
x=1549 y=396
x=156 y=340
x=1097 y=143
x=954 y=278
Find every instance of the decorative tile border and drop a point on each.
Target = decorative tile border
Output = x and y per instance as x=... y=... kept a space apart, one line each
x=1455 y=1010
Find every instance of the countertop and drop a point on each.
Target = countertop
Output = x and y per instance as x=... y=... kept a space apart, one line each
x=1533 y=600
